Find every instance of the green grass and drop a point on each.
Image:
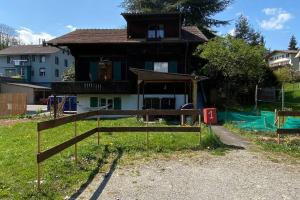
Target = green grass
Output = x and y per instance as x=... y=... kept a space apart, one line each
x=61 y=177
x=268 y=141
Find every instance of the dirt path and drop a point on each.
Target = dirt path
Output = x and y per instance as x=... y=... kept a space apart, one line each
x=240 y=174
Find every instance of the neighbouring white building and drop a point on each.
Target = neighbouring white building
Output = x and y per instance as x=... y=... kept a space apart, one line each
x=284 y=58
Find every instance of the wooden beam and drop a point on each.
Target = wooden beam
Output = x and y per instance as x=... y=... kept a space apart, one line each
x=288 y=131
x=289 y=113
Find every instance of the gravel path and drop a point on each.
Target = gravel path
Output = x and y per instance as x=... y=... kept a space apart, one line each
x=240 y=174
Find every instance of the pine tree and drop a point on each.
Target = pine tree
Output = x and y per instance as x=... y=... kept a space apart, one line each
x=293 y=43
x=198 y=13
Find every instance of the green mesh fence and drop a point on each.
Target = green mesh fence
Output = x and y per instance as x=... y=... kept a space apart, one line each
x=264 y=122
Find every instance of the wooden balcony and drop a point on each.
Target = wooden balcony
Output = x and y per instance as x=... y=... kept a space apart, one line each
x=88 y=87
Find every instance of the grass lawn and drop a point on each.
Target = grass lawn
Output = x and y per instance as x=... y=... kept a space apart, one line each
x=61 y=177
x=268 y=141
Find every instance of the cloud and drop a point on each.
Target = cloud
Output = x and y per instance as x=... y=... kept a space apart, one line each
x=232 y=32
x=278 y=18
x=27 y=36
x=71 y=27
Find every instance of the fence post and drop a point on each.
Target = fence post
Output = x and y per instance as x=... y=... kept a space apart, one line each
x=75 y=134
x=147 y=120
x=200 y=140
x=98 y=126
x=256 y=96
x=39 y=164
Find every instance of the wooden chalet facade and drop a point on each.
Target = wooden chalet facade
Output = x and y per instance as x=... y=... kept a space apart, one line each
x=146 y=65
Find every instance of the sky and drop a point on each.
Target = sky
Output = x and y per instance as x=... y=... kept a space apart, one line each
x=277 y=20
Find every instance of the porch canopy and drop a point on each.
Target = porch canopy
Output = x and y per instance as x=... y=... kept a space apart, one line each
x=163 y=77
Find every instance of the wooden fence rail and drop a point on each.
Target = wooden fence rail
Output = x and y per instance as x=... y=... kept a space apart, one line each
x=41 y=126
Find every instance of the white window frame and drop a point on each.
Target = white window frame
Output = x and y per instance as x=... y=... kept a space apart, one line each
x=161 y=67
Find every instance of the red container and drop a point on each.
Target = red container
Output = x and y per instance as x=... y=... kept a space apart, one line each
x=210 y=115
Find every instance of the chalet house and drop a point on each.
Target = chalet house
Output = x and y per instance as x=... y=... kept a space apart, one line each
x=148 y=65
x=284 y=58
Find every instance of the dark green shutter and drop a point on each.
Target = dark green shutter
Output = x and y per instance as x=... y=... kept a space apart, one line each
x=117 y=103
x=149 y=65
x=94 y=71
x=94 y=102
x=172 y=67
x=117 y=71
x=28 y=74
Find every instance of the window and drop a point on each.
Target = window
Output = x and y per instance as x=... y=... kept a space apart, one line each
x=66 y=63
x=33 y=58
x=102 y=102
x=42 y=72
x=56 y=60
x=10 y=72
x=8 y=60
x=156 y=32
x=110 y=104
x=151 y=103
x=161 y=66
x=94 y=102
x=42 y=59
x=25 y=58
x=32 y=72
x=56 y=72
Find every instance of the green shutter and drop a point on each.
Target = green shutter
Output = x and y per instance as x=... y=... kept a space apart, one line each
x=149 y=65
x=28 y=74
x=172 y=67
x=117 y=71
x=94 y=71
x=93 y=102
x=117 y=103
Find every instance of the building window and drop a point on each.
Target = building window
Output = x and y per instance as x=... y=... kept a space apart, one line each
x=33 y=58
x=94 y=102
x=8 y=60
x=66 y=63
x=32 y=72
x=42 y=72
x=10 y=72
x=25 y=58
x=56 y=60
x=102 y=102
x=56 y=72
x=42 y=59
x=161 y=66
x=156 y=32
x=110 y=104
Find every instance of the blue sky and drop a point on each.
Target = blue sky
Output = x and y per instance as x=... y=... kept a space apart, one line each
x=277 y=20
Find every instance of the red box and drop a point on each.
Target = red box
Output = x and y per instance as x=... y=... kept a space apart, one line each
x=210 y=115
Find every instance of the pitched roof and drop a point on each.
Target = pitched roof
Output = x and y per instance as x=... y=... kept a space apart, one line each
x=28 y=49
x=92 y=36
x=30 y=86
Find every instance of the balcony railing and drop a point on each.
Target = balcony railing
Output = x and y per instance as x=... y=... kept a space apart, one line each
x=105 y=87
x=18 y=63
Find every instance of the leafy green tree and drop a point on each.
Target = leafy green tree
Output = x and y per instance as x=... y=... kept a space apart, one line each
x=244 y=31
x=196 y=12
x=234 y=65
x=293 y=43
x=284 y=75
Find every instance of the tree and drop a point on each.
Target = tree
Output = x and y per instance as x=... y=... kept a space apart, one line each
x=198 y=13
x=234 y=65
x=8 y=36
x=69 y=74
x=244 y=31
x=293 y=43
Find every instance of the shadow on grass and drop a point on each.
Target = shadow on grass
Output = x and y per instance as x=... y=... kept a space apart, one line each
x=100 y=164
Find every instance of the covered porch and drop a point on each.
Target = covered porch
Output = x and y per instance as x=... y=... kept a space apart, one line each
x=166 y=83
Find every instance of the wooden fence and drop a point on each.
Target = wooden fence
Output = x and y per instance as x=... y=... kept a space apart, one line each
x=44 y=155
x=280 y=118
x=13 y=104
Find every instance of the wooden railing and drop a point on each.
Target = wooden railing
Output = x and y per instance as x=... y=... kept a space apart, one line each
x=87 y=87
x=41 y=126
x=280 y=119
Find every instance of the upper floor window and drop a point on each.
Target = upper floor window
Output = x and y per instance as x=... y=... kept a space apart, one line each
x=8 y=60
x=66 y=63
x=42 y=72
x=33 y=58
x=56 y=60
x=42 y=59
x=161 y=66
x=23 y=57
x=156 y=32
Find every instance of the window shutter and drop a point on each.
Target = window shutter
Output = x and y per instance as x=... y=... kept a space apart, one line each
x=172 y=67
x=93 y=102
x=149 y=65
x=93 y=71
x=117 y=103
x=117 y=71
